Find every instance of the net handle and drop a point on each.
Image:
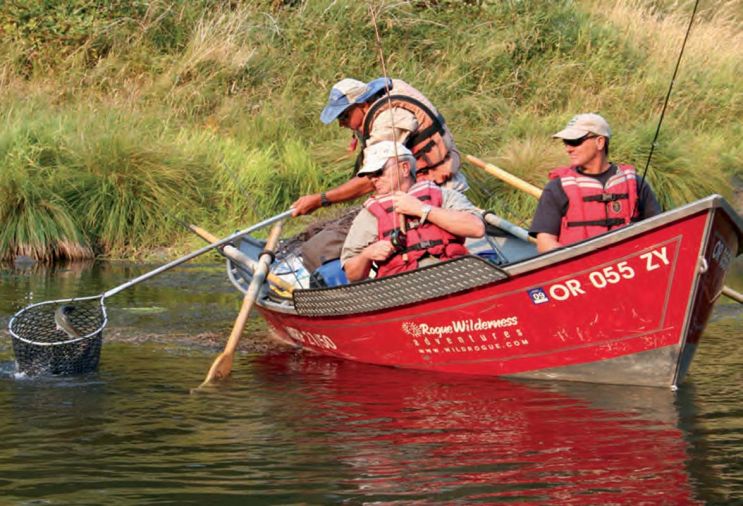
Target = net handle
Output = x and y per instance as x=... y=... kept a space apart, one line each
x=186 y=258
x=139 y=279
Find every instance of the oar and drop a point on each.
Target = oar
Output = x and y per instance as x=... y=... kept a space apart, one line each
x=222 y=365
x=729 y=292
x=506 y=225
x=536 y=192
x=505 y=176
x=240 y=258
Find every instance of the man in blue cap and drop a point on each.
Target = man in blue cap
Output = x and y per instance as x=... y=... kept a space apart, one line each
x=388 y=110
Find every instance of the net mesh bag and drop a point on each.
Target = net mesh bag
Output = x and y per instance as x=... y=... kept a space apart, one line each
x=42 y=347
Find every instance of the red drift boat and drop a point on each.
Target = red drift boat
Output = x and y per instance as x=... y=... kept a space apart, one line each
x=627 y=307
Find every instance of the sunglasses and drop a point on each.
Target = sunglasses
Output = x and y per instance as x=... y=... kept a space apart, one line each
x=376 y=173
x=343 y=117
x=578 y=142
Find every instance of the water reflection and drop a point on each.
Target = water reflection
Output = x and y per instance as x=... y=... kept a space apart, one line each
x=412 y=436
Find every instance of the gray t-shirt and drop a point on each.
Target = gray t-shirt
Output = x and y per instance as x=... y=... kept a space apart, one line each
x=363 y=230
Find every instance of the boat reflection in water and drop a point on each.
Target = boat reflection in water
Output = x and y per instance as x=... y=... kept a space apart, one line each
x=413 y=436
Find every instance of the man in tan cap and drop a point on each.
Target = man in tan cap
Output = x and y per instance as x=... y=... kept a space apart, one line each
x=435 y=220
x=405 y=116
x=592 y=195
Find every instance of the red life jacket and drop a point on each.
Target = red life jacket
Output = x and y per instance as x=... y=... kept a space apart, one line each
x=420 y=240
x=431 y=144
x=592 y=208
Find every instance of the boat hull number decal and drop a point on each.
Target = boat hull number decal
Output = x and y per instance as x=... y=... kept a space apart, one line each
x=311 y=338
x=602 y=278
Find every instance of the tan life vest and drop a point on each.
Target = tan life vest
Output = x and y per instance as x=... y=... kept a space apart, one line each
x=432 y=143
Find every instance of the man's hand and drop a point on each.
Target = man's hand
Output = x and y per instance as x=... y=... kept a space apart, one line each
x=405 y=203
x=306 y=204
x=378 y=251
x=358 y=267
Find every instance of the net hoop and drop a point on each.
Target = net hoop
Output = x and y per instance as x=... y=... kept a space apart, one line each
x=94 y=334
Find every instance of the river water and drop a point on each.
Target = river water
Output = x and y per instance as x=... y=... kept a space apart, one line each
x=291 y=428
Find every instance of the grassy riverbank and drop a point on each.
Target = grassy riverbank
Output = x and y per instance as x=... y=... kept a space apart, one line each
x=121 y=117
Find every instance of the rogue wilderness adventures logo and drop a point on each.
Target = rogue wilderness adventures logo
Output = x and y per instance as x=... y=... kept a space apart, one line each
x=458 y=326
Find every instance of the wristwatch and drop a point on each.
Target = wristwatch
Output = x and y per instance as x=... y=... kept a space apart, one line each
x=426 y=209
x=324 y=200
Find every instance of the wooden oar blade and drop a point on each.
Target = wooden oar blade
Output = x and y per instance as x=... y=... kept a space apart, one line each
x=220 y=369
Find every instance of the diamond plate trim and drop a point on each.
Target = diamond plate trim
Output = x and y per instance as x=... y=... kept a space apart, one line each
x=430 y=282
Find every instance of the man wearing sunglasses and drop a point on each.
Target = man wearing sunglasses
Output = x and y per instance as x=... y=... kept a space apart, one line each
x=435 y=220
x=405 y=116
x=592 y=195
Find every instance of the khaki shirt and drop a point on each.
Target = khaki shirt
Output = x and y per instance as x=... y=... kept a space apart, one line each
x=363 y=230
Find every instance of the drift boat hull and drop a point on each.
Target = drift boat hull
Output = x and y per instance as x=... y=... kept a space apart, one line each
x=627 y=307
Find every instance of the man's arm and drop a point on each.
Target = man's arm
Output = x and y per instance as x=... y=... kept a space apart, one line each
x=351 y=189
x=649 y=205
x=382 y=128
x=355 y=257
x=546 y=242
x=545 y=225
x=456 y=220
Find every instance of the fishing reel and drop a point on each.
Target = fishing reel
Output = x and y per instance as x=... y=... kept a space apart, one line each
x=398 y=240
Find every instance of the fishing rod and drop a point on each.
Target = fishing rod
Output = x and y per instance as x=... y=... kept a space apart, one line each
x=665 y=105
x=397 y=237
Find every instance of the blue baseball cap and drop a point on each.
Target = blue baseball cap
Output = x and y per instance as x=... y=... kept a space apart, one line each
x=348 y=92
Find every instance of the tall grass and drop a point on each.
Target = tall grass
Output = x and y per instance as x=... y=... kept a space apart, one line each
x=76 y=182
x=36 y=221
x=209 y=110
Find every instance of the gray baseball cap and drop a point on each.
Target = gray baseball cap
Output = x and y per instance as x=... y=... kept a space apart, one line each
x=582 y=125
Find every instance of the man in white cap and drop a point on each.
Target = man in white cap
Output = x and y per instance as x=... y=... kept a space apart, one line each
x=592 y=195
x=405 y=116
x=406 y=224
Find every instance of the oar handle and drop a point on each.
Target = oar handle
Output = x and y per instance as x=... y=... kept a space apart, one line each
x=240 y=258
x=184 y=259
x=508 y=226
x=505 y=176
x=732 y=294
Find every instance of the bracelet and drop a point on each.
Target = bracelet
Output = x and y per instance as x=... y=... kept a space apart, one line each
x=424 y=216
x=324 y=201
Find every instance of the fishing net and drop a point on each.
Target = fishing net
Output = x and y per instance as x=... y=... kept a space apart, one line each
x=44 y=347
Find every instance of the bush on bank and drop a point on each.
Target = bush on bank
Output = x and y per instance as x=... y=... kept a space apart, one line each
x=143 y=112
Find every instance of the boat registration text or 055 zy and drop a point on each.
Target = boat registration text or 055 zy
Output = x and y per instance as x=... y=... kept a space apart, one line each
x=602 y=277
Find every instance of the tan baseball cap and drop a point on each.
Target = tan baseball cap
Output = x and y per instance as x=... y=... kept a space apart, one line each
x=582 y=125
